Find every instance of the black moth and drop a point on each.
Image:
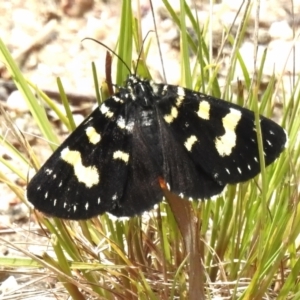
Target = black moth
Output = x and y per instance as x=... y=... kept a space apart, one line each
x=114 y=160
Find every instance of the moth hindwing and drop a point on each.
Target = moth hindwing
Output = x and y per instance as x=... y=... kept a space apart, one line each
x=114 y=160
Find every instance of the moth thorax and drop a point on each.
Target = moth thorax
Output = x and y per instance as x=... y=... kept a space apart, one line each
x=143 y=91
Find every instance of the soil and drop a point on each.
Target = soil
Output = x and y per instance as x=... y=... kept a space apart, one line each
x=45 y=38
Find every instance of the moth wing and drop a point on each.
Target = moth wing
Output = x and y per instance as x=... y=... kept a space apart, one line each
x=86 y=175
x=218 y=136
x=182 y=175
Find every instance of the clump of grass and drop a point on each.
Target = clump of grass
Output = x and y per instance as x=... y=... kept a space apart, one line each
x=239 y=246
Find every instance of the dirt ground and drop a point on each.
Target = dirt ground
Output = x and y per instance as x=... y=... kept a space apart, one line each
x=45 y=38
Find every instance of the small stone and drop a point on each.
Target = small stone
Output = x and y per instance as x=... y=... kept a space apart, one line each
x=16 y=102
x=8 y=285
x=281 y=30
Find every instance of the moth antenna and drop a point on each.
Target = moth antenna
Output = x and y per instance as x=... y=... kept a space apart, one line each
x=158 y=43
x=110 y=50
x=141 y=51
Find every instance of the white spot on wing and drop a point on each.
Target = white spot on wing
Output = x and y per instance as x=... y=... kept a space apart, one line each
x=190 y=142
x=87 y=120
x=116 y=219
x=226 y=142
x=105 y=111
x=93 y=136
x=48 y=171
x=121 y=122
x=121 y=155
x=129 y=126
x=240 y=171
x=203 y=111
x=180 y=91
x=269 y=143
x=227 y=171
x=86 y=206
x=117 y=99
x=87 y=175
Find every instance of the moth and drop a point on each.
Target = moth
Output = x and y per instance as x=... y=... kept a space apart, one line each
x=146 y=132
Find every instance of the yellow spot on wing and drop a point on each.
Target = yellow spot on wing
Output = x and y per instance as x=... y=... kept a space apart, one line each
x=121 y=155
x=190 y=142
x=179 y=100
x=173 y=115
x=203 y=111
x=227 y=141
x=87 y=175
x=93 y=136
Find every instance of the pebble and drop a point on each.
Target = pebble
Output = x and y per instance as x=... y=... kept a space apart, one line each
x=17 y=103
x=8 y=285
